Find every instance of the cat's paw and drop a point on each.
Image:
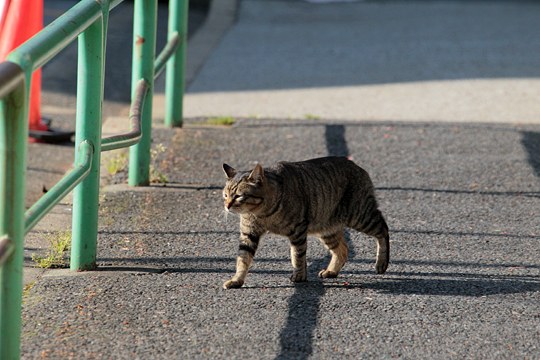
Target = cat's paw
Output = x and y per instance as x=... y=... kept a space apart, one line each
x=299 y=276
x=233 y=284
x=381 y=265
x=327 y=274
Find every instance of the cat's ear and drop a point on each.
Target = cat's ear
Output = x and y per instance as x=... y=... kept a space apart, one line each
x=229 y=171
x=257 y=174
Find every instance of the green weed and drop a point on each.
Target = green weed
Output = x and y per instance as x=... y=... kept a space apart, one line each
x=54 y=258
x=312 y=117
x=26 y=290
x=156 y=176
x=116 y=164
x=221 y=120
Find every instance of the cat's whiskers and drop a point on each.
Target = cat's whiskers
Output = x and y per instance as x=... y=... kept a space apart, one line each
x=226 y=213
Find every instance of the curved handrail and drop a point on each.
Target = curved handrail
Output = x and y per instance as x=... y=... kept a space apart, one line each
x=165 y=54
x=11 y=76
x=135 y=114
x=6 y=248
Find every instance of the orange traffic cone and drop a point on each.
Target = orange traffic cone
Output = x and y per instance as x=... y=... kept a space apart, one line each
x=3 y=9
x=23 y=19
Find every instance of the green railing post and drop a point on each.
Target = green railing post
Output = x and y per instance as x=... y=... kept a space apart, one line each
x=175 y=81
x=13 y=135
x=88 y=127
x=144 y=51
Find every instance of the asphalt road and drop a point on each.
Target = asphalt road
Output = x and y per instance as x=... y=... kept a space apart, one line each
x=461 y=202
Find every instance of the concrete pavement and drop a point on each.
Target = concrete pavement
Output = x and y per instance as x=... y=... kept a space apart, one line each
x=461 y=202
x=461 y=198
x=376 y=60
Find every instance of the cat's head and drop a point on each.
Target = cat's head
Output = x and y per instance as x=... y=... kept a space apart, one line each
x=244 y=191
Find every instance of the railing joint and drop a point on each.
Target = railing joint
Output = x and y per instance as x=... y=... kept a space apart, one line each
x=6 y=249
x=11 y=76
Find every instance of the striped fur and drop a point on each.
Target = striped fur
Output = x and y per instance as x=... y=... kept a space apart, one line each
x=315 y=197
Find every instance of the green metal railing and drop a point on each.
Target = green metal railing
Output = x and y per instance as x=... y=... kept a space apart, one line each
x=87 y=21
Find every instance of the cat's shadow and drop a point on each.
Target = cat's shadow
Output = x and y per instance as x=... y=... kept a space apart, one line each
x=395 y=281
x=473 y=287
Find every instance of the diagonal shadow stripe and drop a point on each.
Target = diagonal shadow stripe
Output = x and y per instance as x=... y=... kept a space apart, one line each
x=336 y=144
x=296 y=338
x=531 y=143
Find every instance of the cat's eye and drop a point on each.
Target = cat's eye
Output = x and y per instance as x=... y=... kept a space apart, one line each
x=225 y=196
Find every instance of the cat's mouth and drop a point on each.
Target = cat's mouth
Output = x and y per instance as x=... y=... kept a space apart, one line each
x=243 y=209
x=236 y=210
x=229 y=210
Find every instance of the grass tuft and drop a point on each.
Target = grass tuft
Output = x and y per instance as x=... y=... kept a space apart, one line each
x=312 y=117
x=156 y=176
x=221 y=121
x=116 y=164
x=54 y=258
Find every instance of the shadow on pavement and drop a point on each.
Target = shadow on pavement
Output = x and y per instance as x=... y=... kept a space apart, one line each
x=296 y=337
x=466 y=40
x=304 y=303
x=531 y=143
x=459 y=191
x=466 y=233
x=470 y=286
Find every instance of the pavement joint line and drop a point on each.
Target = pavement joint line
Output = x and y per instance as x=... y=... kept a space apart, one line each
x=115 y=188
x=105 y=270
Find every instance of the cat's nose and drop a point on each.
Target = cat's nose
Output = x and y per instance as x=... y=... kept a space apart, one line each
x=228 y=204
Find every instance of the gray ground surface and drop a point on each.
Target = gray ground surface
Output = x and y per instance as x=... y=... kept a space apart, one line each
x=463 y=281
x=461 y=197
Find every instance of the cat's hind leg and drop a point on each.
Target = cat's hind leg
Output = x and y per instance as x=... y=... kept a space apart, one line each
x=337 y=246
x=372 y=223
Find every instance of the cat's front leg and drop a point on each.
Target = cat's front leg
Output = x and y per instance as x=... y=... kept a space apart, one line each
x=246 y=251
x=298 y=258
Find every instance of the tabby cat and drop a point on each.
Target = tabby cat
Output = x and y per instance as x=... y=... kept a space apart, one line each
x=317 y=197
